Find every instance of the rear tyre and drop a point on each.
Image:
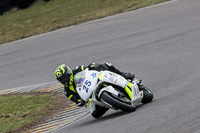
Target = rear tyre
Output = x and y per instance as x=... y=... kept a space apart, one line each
x=122 y=103
x=148 y=95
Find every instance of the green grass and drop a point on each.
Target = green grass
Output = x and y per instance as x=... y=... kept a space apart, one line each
x=43 y=16
x=18 y=110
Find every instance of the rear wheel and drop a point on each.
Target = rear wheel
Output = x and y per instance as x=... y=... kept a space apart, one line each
x=122 y=103
x=148 y=95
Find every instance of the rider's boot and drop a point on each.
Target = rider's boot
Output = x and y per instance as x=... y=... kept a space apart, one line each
x=98 y=111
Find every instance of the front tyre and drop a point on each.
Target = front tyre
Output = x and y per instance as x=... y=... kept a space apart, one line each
x=148 y=95
x=118 y=102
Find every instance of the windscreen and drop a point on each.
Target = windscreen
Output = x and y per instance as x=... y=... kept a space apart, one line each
x=79 y=78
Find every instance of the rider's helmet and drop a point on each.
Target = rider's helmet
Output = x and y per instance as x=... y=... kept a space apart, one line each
x=64 y=75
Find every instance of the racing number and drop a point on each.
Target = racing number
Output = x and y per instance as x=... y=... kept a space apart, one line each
x=87 y=83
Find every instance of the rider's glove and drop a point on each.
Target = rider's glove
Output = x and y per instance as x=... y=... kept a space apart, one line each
x=128 y=75
x=80 y=102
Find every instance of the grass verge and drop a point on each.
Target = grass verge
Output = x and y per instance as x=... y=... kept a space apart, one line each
x=22 y=111
x=43 y=16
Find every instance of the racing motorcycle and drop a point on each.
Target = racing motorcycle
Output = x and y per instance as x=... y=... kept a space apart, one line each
x=110 y=90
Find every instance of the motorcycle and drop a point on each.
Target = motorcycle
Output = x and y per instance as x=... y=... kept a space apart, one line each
x=110 y=90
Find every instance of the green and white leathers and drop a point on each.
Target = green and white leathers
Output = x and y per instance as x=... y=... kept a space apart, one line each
x=108 y=90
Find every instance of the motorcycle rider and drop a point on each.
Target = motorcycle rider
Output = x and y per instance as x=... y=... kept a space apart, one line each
x=66 y=76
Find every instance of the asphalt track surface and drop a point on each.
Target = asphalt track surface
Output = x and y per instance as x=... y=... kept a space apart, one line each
x=160 y=44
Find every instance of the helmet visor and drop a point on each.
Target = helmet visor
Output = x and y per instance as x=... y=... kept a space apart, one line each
x=64 y=79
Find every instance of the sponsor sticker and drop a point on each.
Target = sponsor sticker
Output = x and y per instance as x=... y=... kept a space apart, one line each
x=94 y=75
x=111 y=78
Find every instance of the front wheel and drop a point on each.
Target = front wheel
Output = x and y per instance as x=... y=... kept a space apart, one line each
x=122 y=103
x=148 y=95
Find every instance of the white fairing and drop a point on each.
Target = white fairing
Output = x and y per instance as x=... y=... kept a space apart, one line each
x=108 y=89
x=113 y=78
x=86 y=88
x=137 y=95
x=87 y=83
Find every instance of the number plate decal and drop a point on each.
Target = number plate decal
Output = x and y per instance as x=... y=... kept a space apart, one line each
x=87 y=84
